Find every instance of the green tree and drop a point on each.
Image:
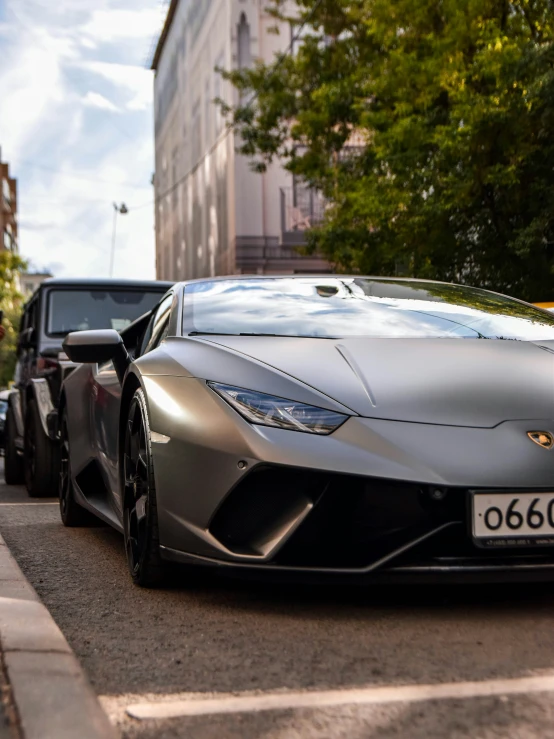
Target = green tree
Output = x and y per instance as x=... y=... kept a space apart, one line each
x=451 y=106
x=10 y=304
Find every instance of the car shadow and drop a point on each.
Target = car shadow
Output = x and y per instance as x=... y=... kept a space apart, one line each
x=208 y=632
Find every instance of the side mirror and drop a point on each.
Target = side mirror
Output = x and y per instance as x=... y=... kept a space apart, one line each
x=91 y=347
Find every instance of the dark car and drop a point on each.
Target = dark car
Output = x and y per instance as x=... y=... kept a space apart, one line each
x=324 y=425
x=58 y=307
x=3 y=410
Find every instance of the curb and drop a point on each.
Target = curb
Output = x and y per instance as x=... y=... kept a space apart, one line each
x=50 y=690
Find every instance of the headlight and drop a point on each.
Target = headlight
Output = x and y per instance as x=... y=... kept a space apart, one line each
x=267 y=410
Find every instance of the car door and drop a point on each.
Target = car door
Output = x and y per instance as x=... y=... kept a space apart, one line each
x=105 y=400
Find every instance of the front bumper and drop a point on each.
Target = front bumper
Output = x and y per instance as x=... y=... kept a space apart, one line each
x=355 y=503
x=282 y=520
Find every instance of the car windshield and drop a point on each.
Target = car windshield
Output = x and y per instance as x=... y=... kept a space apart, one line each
x=3 y=408
x=339 y=307
x=79 y=310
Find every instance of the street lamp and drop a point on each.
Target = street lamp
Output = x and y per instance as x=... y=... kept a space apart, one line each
x=116 y=209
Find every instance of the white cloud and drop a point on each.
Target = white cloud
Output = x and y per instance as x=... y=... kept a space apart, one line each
x=135 y=83
x=95 y=100
x=66 y=68
x=110 y=25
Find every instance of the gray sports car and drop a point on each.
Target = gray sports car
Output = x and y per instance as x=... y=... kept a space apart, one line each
x=353 y=426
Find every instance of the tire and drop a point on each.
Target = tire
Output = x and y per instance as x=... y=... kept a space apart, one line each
x=140 y=513
x=13 y=462
x=41 y=457
x=71 y=513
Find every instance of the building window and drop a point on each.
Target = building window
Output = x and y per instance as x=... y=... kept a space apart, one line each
x=218 y=94
x=7 y=241
x=185 y=150
x=6 y=192
x=161 y=219
x=243 y=38
x=174 y=165
x=196 y=133
x=207 y=114
x=174 y=174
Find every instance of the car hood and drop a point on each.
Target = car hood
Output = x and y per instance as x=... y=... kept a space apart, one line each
x=458 y=382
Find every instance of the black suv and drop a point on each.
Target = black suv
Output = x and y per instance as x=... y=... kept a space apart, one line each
x=58 y=307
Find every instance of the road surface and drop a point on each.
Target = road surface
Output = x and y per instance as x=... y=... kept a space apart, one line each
x=290 y=647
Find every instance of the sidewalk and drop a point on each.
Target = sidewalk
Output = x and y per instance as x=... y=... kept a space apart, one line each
x=48 y=694
x=9 y=724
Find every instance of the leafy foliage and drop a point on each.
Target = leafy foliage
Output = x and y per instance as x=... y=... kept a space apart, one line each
x=429 y=127
x=11 y=304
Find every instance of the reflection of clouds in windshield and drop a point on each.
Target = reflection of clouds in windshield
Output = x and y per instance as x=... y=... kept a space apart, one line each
x=487 y=324
x=299 y=307
x=266 y=312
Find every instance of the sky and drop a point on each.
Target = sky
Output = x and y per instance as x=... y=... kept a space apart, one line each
x=76 y=127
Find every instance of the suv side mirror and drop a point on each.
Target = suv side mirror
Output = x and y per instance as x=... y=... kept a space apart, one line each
x=90 y=347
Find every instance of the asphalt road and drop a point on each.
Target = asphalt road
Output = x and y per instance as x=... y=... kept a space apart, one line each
x=219 y=636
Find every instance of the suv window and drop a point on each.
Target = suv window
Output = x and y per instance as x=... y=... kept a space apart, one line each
x=31 y=315
x=160 y=324
x=78 y=310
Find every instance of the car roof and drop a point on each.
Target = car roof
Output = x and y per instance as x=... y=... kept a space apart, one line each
x=109 y=282
x=312 y=276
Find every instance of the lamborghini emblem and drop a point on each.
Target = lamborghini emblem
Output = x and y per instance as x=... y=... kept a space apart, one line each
x=542 y=438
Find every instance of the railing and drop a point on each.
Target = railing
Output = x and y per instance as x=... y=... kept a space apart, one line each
x=257 y=249
x=254 y=252
x=302 y=208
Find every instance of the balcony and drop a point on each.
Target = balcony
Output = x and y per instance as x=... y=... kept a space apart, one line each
x=302 y=208
x=258 y=255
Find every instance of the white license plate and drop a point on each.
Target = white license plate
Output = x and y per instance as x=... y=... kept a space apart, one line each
x=505 y=519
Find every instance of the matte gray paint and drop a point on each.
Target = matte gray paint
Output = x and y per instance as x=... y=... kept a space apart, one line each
x=462 y=382
x=448 y=412
x=195 y=357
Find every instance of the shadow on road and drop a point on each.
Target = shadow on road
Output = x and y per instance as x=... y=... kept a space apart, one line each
x=220 y=633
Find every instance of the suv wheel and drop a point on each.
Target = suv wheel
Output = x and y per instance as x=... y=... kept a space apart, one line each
x=41 y=457
x=13 y=462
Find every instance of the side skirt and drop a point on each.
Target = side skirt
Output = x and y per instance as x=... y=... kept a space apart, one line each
x=92 y=493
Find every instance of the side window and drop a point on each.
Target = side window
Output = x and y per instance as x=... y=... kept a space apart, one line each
x=32 y=316
x=160 y=324
x=30 y=319
x=24 y=320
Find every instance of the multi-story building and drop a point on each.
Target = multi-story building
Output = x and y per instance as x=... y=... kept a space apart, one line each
x=214 y=215
x=31 y=281
x=8 y=209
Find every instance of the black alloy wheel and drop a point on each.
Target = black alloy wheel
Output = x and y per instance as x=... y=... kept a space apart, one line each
x=72 y=514
x=140 y=519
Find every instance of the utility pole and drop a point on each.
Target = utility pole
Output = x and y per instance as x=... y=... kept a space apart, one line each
x=116 y=209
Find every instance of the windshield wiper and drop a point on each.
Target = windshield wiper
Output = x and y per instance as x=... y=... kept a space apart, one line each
x=294 y=336
x=209 y=333
x=280 y=336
